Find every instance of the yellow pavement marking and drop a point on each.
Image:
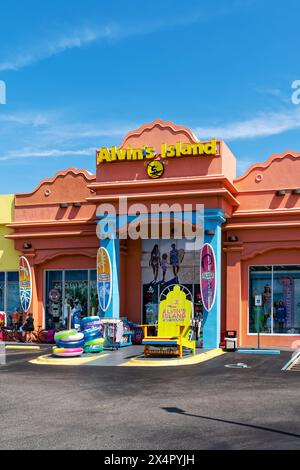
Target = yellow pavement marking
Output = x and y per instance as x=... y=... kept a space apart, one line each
x=70 y=361
x=186 y=361
x=36 y=348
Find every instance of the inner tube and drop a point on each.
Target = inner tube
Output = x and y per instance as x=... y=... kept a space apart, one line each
x=93 y=349
x=89 y=319
x=70 y=344
x=92 y=333
x=62 y=352
x=90 y=322
x=67 y=339
x=64 y=334
x=94 y=342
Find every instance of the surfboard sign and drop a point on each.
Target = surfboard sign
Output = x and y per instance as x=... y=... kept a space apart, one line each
x=25 y=284
x=208 y=276
x=104 y=278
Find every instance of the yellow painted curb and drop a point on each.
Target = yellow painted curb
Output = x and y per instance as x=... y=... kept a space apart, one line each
x=35 y=348
x=71 y=361
x=186 y=361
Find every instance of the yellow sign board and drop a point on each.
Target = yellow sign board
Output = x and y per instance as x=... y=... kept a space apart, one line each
x=148 y=153
x=174 y=311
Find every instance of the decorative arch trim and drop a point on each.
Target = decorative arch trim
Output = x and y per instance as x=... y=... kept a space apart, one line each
x=163 y=125
x=268 y=163
x=269 y=248
x=51 y=256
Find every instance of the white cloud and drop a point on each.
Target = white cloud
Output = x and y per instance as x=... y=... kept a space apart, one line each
x=26 y=119
x=263 y=125
x=58 y=45
x=48 y=153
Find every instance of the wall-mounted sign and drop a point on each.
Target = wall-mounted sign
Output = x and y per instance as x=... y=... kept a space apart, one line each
x=258 y=300
x=104 y=278
x=208 y=272
x=25 y=284
x=129 y=153
x=155 y=169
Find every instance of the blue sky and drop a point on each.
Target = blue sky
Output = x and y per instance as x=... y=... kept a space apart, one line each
x=80 y=74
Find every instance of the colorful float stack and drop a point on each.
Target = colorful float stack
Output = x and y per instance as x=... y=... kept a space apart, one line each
x=91 y=327
x=73 y=343
x=69 y=343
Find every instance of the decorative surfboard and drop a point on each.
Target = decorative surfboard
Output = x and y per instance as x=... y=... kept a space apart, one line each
x=25 y=284
x=104 y=278
x=208 y=274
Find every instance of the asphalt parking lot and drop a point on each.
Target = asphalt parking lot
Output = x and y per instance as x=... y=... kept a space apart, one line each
x=204 y=406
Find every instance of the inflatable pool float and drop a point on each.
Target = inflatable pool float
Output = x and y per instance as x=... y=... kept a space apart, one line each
x=62 y=352
x=64 y=334
x=93 y=349
x=70 y=344
x=94 y=342
x=91 y=333
x=71 y=338
x=90 y=322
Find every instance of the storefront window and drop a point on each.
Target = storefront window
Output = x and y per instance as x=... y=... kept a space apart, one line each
x=274 y=299
x=12 y=294
x=53 y=302
x=9 y=293
x=286 y=299
x=93 y=292
x=165 y=263
x=66 y=288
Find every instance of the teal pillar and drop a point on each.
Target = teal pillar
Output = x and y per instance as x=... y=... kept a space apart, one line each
x=213 y=220
x=107 y=226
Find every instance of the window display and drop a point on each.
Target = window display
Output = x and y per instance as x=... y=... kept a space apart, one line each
x=69 y=291
x=278 y=311
x=165 y=263
x=9 y=294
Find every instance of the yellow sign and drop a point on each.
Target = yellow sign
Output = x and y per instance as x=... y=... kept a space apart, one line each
x=166 y=151
x=174 y=311
x=155 y=169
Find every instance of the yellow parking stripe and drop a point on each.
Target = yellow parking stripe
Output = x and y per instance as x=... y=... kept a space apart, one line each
x=70 y=361
x=186 y=361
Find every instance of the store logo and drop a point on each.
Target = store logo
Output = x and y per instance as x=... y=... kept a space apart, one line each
x=149 y=153
x=296 y=94
x=158 y=221
x=2 y=92
x=155 y=169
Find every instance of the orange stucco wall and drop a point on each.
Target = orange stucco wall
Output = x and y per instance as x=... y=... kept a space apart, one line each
x=267 y=225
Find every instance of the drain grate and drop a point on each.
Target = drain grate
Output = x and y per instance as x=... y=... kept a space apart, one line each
x=239 y=365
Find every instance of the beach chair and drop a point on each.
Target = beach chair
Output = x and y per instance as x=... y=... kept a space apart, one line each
x=174 y=331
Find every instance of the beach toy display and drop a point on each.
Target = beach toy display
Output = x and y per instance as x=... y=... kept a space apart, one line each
x=72 y=338
x=63 y=352
x=92 y=333
x=64 y=334
x=94 y=345
x=90 y=322
x=72 y=343
x=69 y=343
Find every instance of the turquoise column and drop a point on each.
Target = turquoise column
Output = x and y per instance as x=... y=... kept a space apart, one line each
x=112 y=245
x=213 y=220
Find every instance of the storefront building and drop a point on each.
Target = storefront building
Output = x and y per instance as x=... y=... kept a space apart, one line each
x=251 y=223
x=9 y=260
